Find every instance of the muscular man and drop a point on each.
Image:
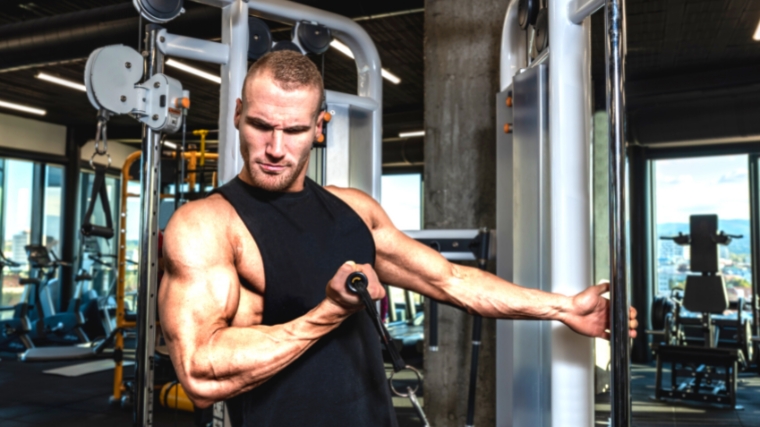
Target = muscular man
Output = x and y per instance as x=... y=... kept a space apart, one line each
x=253 y=302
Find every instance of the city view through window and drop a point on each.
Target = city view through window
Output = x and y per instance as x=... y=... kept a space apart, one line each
x=716 y=185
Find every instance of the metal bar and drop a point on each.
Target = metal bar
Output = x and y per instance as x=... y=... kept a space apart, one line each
x=540 y=59
x=615 y=72
x=146 y=331
x=477 y=327
x=754 y=198
x=192 y=48
x=235 y=35
x=582 y=9
x=121 y=324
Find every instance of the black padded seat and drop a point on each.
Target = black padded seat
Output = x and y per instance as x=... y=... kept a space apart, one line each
x=705 y=294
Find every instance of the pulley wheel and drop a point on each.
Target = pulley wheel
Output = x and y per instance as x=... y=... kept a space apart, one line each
x=314 y=38
x=259 y=38
x=286 y=45
x=542 y=30
x=159 y=11
x=527 y=12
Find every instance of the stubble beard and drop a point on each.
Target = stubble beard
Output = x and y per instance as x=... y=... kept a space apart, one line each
x=275 y=183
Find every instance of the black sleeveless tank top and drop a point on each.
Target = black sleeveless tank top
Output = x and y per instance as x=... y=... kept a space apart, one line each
x=304 y=238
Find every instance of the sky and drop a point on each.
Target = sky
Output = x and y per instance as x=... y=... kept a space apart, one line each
x=19 y=203
x=706 y=185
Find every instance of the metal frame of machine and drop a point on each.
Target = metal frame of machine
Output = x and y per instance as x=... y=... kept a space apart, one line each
x=544 y=208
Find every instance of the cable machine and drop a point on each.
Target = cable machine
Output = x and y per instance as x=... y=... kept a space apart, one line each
x=543 y=207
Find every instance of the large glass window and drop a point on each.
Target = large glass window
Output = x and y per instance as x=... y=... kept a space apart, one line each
x=716 y=185
x=402 y=200
x=17 y=223
x=51 y=225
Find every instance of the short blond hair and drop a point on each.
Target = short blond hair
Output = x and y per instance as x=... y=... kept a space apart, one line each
x=290 y=70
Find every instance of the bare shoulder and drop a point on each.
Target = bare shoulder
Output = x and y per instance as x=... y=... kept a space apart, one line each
x=200 y=230
x=364 y=205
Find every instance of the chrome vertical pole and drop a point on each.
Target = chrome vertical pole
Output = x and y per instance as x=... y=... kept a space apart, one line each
x=615 y=66
x=149 y=200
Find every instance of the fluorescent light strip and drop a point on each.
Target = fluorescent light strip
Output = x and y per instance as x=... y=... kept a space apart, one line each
x=62 y=82
x=169 y=144
x=340 y=47
x=756 y=37
x=24 y=108
x=411 y=134
x=193 y=70
x=387 y=75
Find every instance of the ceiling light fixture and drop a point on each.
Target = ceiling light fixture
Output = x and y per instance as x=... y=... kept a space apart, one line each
x=412 y=134
x=24 y=108
x=193 y=70
x=756 y=37
x=62 y=82
x=169 y=144
x=340 y=47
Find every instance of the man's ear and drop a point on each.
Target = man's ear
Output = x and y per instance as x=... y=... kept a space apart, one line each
x=238 y=112
x=320 y=123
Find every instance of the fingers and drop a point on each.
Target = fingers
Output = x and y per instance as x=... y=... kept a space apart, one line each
x=602 y=287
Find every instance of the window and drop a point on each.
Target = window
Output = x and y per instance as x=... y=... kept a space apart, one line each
x=17 y=223
x=705 y=185
x=31 y=214
x=402 y=200
x=51 y=225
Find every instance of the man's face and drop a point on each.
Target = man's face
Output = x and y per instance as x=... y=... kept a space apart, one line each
x=277 y=128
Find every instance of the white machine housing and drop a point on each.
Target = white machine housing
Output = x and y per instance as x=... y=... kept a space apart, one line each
x=112 y=77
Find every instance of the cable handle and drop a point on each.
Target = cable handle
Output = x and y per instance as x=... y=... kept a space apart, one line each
x=357 y=283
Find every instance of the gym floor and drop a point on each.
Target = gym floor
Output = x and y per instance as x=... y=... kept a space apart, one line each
x=28 y=397
x=651 y=413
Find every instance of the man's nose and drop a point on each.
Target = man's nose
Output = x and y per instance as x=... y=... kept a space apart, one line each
x=275 y=147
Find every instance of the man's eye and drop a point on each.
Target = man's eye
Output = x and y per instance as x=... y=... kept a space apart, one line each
x=261 y=126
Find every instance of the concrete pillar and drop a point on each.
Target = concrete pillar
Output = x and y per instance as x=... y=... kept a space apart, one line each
x=461 y=79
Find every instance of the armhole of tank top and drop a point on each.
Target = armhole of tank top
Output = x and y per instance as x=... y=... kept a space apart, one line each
x=243 y=282
x=352 y=210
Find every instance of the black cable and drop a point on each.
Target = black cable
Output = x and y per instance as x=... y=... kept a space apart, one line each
x=139 y=34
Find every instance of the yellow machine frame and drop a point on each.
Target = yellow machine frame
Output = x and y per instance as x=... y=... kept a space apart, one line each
x=121 y=321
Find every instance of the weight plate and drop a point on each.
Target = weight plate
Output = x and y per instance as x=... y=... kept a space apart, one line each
x=286 y=45
x=527 y=12
x=542 y=30
x=259 y=38
x=314 y=38
x=658 y=313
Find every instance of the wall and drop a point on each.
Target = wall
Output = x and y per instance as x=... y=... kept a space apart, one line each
x=117 y=150
x=32 y=135
x=461 y=50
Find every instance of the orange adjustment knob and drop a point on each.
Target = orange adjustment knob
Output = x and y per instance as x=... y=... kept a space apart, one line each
x=183 y=103
x=321 y=138
x=328 y=117
x=509 y=101
x=507 y=128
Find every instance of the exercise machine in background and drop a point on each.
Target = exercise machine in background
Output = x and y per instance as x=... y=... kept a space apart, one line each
x=703 y=342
